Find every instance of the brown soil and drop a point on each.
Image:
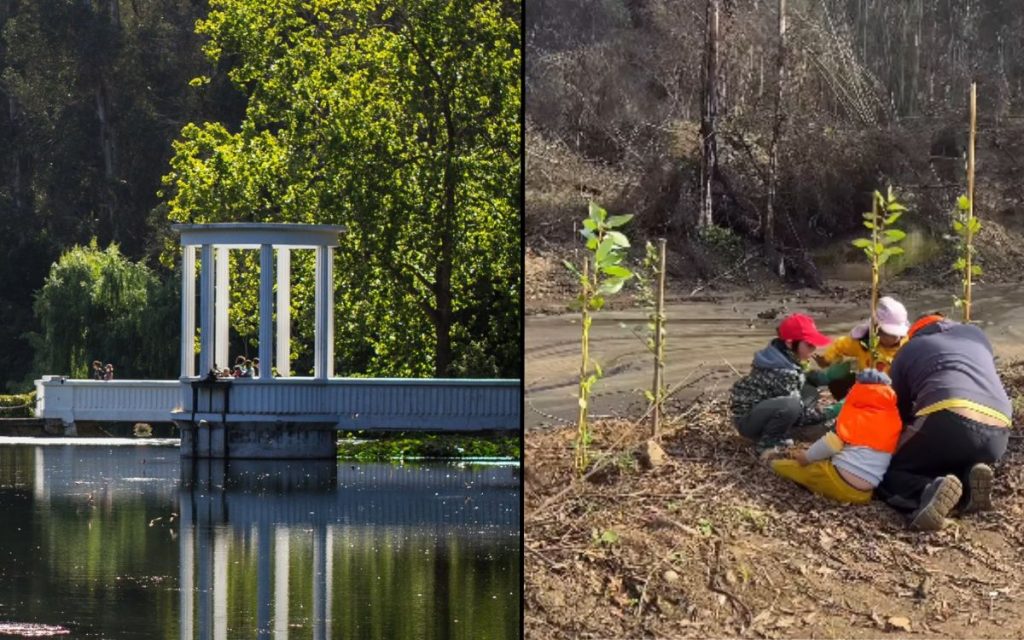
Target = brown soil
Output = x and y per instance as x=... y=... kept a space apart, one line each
x=714 y=545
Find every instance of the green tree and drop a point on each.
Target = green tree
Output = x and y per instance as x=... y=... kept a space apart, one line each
x=97 y=304
x=91 y=96
x=399 y=119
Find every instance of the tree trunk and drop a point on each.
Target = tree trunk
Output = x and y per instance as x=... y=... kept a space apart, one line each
x=443 y=270
x=768 y=223
x=106 y=133
x=709 y=112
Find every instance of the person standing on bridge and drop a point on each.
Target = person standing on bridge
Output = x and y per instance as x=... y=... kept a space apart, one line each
x=776 y=396
x=956 y=416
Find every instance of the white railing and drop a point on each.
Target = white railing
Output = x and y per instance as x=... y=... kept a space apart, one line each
x=67 y=400
x=350 y=403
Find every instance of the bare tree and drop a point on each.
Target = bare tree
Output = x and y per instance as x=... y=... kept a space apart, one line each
x=768 y=220
x=708 y=115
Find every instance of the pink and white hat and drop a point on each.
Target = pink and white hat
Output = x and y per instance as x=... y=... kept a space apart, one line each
x=891 y=316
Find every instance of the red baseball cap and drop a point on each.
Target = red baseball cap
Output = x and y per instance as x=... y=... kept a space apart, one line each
x=799 y=326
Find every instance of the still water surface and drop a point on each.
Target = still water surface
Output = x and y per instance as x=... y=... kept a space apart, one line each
x=127 y=542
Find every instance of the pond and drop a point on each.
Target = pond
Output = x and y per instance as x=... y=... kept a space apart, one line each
x=127 y=541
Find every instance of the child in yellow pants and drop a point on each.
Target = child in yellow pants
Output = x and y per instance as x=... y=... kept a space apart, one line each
x=848 y=463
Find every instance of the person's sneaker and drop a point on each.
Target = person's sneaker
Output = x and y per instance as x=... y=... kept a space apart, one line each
x=937 y=500
x=766 y=444
x=771 y=448
x=979 y=489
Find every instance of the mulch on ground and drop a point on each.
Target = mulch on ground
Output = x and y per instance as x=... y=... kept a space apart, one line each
x=713 y=544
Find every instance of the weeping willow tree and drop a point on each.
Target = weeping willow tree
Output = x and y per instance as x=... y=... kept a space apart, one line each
x=98 y=305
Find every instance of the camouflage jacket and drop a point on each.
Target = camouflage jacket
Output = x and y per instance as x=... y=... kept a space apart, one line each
x=774 y=373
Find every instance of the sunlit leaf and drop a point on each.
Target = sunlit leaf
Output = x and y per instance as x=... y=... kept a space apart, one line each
x=611 y=286
x=617 y=271
x=618 y=238
x=618 y=221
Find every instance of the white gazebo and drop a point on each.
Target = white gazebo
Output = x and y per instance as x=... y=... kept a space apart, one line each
x=275 y=241
x=271 y=417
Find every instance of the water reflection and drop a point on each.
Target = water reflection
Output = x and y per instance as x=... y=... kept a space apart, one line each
x=317 y=550
x=124 y=542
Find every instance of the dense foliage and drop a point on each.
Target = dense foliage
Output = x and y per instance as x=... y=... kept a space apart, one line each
x=98 y=305
x=398 y=119
x=401 y=446
x=92 y=94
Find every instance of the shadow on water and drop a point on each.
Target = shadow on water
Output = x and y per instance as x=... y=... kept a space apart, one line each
x=129 y=542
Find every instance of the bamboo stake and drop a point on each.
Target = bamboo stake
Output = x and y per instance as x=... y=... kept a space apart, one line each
x=970 y=200
x=872 y=327
x=659 y=347
x=584 y=400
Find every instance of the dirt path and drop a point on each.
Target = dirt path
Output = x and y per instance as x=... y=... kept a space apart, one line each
x=707 y=338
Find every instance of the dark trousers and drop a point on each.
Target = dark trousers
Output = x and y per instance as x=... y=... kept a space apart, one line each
x=772 y=419
x=946 y=443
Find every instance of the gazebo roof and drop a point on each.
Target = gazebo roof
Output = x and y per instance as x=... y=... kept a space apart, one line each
x=250 y=235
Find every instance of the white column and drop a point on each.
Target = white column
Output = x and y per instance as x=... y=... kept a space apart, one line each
x=284 y=313
x=281 y=558
x=323 y=356
x=206 y=311
x=266 y=310
x=223 y=286
x=188 y=311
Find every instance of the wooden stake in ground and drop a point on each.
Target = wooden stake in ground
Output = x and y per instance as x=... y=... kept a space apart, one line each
x=583 y=437
x=659 y=344
x=970 y=199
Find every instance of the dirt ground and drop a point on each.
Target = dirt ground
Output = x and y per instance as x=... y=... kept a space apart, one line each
x=713 y=545
x=711 y=334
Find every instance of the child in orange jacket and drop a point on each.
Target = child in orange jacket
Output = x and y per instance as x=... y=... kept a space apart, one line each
x=848 y=463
